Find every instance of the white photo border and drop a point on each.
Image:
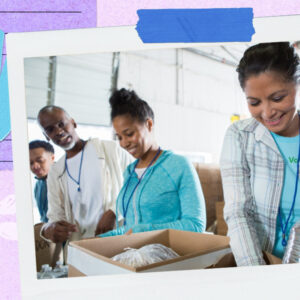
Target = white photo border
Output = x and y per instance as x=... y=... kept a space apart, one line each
x=237 y=283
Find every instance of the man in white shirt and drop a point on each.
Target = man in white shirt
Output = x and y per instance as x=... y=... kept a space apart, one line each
x=84 y=184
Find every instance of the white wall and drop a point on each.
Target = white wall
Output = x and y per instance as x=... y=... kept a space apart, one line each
x=208 y=94
x=83 y=87
x=150 y=73
x=36 y=83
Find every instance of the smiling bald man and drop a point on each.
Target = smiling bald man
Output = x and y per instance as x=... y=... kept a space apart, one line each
x=84 y=184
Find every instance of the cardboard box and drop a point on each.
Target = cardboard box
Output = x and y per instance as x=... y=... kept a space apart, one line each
x=197 y=251
x=45 y=252
x=211 y=182
x=221 y=224
x=228 y=261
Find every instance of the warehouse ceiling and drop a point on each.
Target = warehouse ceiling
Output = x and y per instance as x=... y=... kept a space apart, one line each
x=82 y=84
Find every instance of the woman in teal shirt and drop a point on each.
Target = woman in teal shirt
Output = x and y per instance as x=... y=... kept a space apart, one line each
x=260 y=156
x=161 y=189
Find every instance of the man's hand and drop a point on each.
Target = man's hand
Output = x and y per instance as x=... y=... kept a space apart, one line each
x=106 y=223
x=59 y=232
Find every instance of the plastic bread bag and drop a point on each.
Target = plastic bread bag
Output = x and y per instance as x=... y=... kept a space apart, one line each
x=146 y=255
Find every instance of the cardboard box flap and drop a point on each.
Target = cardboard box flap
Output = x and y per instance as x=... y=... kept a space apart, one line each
x=73 y=272
x=228 y=260
x=270 y=259
x=169 y=238
x=195 y=241
x=117 y=244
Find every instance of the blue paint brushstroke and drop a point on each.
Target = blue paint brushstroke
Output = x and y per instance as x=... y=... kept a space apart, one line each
x=4 y=100
x=195 y=25
x=4 y=104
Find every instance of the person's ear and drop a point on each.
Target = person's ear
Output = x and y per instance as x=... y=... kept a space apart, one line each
x=149 y=124
x=52 y=157
x=46 y=136
x=74 y=123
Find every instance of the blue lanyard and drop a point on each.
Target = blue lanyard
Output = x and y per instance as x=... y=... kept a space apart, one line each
x=284 y=226
x=139 y=181
x=79 y=175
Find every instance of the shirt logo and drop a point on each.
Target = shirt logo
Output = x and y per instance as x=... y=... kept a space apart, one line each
x=293 y=160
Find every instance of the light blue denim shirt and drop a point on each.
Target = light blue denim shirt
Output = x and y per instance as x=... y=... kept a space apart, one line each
x=168 y=197
x=40 y=195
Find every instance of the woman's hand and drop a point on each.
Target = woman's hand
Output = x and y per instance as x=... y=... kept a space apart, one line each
x=106 y=223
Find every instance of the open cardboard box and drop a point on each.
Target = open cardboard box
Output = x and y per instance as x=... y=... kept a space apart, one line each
x=197 y=251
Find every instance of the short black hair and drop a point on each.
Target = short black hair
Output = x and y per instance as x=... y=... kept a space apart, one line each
x=126 y=102
x=277 y=57
x=41 y=144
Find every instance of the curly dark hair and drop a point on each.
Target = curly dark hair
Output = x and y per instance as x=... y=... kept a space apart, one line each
x=125 y=102
x=277 y=57
x=41 y=144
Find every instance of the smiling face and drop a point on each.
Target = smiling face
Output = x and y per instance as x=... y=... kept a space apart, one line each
x=134 y=136
x=272 y=102
x=59 y=128
x=40 y=161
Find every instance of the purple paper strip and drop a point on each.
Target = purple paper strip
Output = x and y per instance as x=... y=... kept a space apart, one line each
x=6 y=154
x=28 y=15
x=9 y=262
x=123 y=13
x=24 y=16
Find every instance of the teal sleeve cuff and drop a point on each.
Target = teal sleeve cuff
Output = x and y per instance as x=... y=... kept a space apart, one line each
x=141 y=228
x=114 y=232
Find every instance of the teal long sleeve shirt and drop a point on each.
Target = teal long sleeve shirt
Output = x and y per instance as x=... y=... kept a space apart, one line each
x=168 y=197
x=40 y=195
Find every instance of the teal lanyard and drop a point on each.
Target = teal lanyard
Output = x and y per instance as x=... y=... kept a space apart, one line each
x=125 y=209
x=284 y=226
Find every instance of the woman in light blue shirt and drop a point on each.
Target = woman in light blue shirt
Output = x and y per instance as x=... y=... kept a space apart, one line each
x=161 y=189
x=260 y=156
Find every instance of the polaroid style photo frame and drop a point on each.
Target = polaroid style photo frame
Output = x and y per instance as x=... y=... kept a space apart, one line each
x=239 y=283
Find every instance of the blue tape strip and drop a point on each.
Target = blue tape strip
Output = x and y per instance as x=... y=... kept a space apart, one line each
x=195 y=25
